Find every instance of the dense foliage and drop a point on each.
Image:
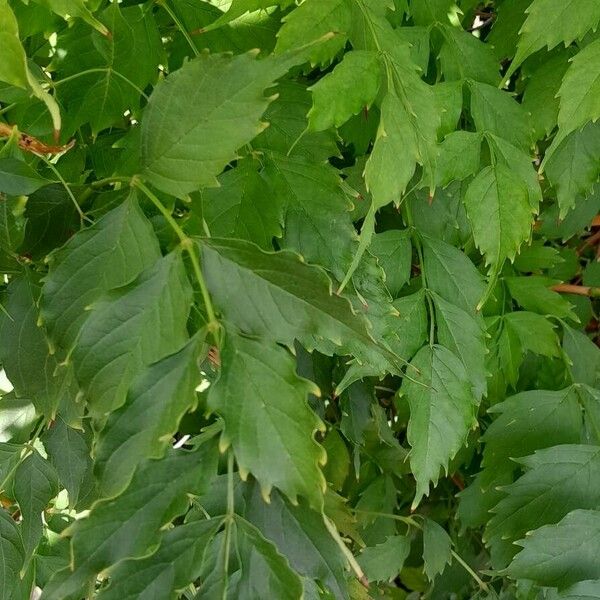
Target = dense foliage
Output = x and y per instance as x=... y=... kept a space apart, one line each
x=298 y=299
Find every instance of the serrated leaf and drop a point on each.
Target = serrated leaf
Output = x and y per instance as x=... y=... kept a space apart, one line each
x=562 y=554
x=75 y=8
x=494 y=111
x=14 y=63
x=550 y=22
x=393 y=251
x=317 y=220
x=312 y=20
x=143 y=427
x=385 y=561
x=107 y=255
x=442 y=410
x=288 y=132
x=278 y=297
x=351 y=87
x=557 y=480
x=122 y=64
x=573 y=167
x=579 y=92
x=36 y=483
x=18 y=178
x=177 y=563
x=392 y=161
x=535 y=332
x=459 y=157
x=24 y=349
x=258 y=385
x=464 y=335
x=184 y=147
x=463 y=56
x=533 y=293
x=425 y=12
x=128 y=526
x=583 y=355
x=242 y=206
x=131 y=327
x=437 y=547
x=11 y=554
x=451 y=274
x=265 y=572
x=530 y=421
x=497 y=204
x=301 y=536
x=69 y=454
x=583 y=590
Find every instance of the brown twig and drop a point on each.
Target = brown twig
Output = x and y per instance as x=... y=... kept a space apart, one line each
x=580 y=290
x=30 y=144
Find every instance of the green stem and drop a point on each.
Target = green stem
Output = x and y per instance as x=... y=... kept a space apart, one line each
x=190 y=247
x=469 y=570
x=108 y=180
x=66 y=186
x=180 y=26
x=228 y=522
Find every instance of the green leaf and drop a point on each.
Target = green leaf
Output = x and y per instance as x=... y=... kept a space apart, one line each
x=288 y=132
x=241 y=207
x=464 y=335
x=583 y=355
x=583 y=590
x=385 y=561
x=459 y=157
x=301 y=536
x=9 y=458
x=522 y=323
x=494 y=111
x=178 y=561
x=540 y=98
x=533 y=293
x=36 y=483
x=393 y=159
x=75 y=8
x=573 y=166
x=13 y=69
x=441 y=414
x=131 y=327
x=69 y=453
x=317 y=221
x=122 y=65
x=278 y=297
x=393 y=251
x=184 y=147
x=497 y=204
x=24 y=350
x=463 y=56
x=437 y=547
x=258 y=385
x=18 y=178
x=426 y=12
x=562 y=554
x=451 y=274
x=265 y=572
x=530 y=421
x=312 y=20
x=579 y=92
x=11 y=554
x=143 y=427
x=107 y=255
x=351 y=87
x=557 y=480
x=128 y=526
x=550 y=22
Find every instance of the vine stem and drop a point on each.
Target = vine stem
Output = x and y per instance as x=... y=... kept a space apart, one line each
x=190 y=247
x=228 y=522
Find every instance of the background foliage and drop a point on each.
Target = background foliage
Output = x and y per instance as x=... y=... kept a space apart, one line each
x=298 y=299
